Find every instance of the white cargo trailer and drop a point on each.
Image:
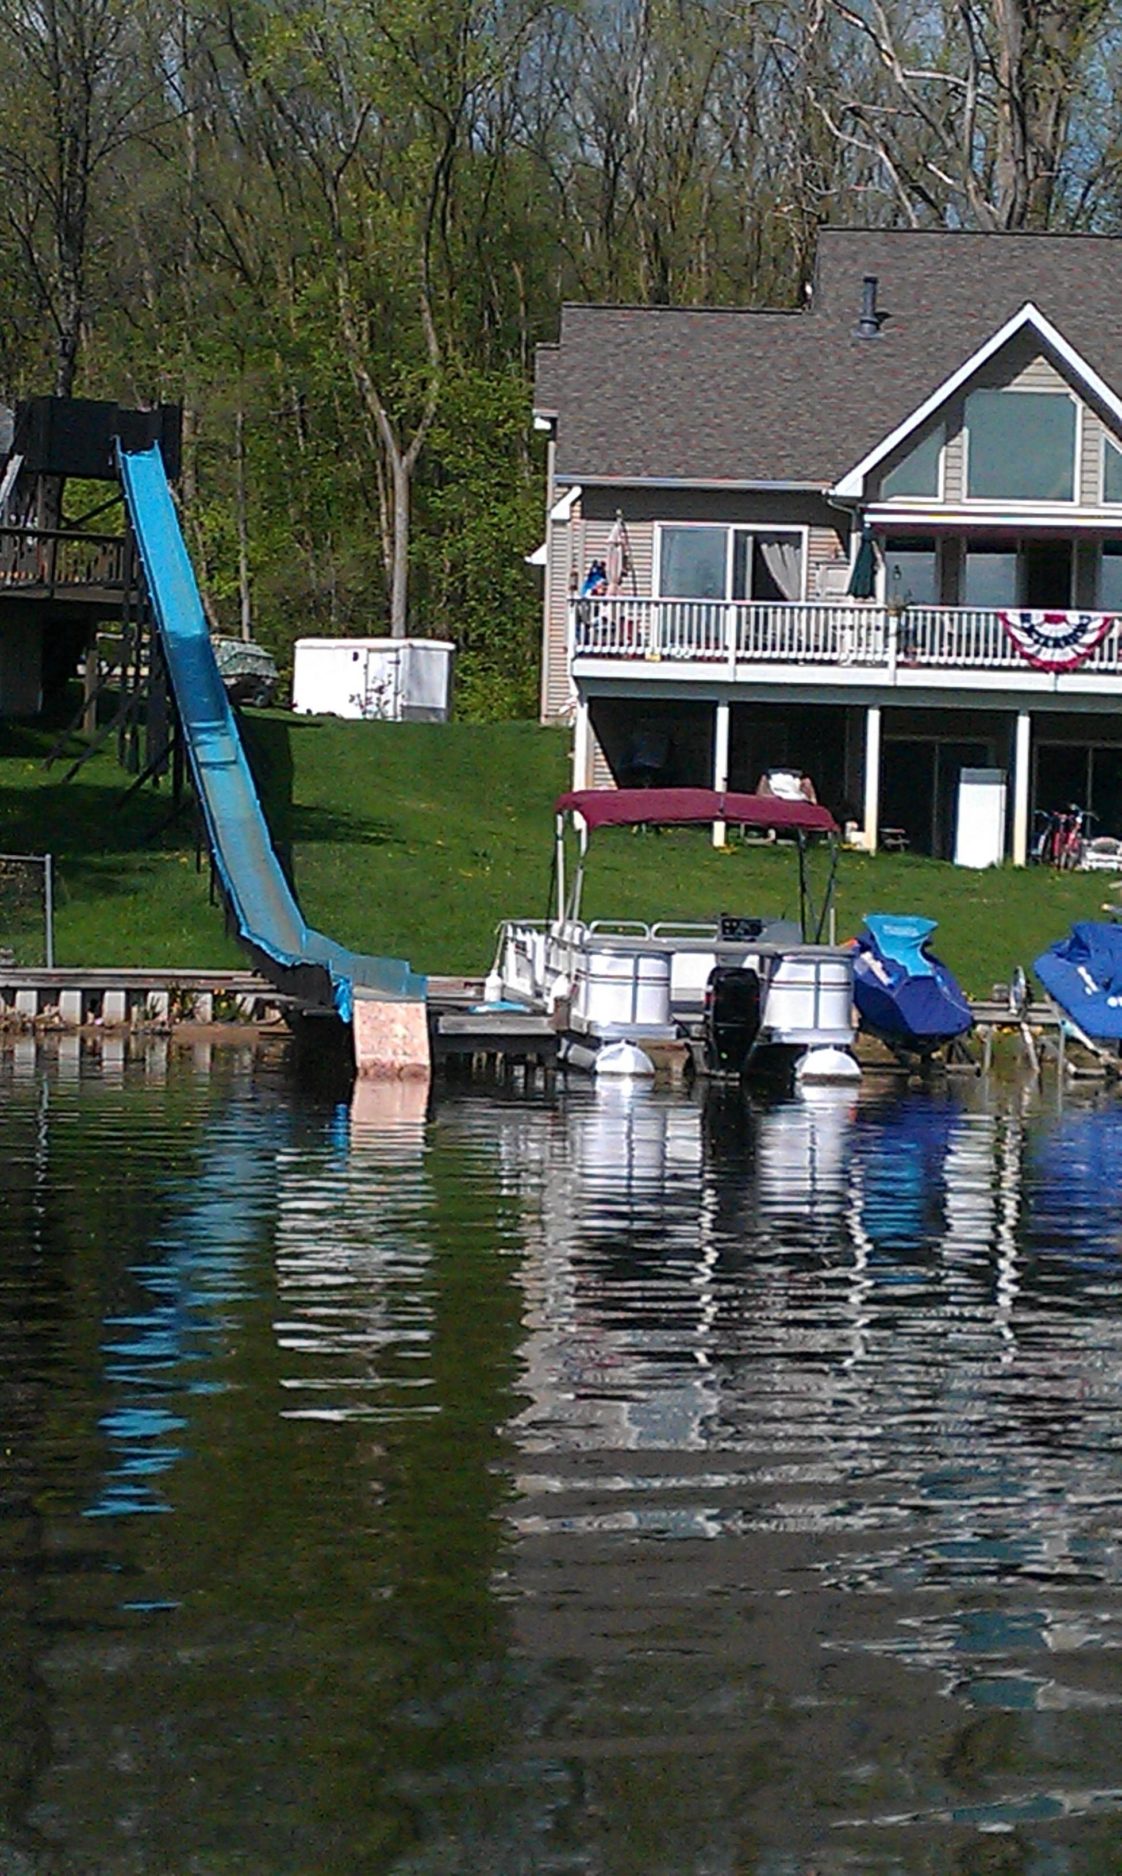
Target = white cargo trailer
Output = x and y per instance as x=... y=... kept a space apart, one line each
x=392 y=680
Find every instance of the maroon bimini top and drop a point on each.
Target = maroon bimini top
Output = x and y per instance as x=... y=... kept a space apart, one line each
x=665 y=807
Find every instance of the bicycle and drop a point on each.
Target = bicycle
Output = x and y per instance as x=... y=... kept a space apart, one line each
x=1060 y=839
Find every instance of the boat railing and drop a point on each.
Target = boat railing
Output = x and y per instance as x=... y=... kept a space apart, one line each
x=619 y=927
x=690 y=929
x=522 y=946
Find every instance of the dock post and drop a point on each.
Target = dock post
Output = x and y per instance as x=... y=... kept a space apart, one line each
x=391 y=1037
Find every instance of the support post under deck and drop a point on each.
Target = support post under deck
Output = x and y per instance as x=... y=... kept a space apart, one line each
x=720 y=763
x=1022 y=755
x=872 y=777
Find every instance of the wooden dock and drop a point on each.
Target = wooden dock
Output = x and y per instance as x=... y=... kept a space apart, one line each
x=466 y=1033
x=80 y=998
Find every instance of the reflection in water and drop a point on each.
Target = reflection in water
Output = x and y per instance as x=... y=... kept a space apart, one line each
x=599 y=1481
x=804 y=1344
x=163 y=1348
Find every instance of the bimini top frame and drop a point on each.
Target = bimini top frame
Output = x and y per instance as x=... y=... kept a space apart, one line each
x=686 y=807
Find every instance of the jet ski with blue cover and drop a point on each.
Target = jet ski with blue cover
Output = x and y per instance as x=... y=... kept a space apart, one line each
x=903 y=992
x=1083 y=974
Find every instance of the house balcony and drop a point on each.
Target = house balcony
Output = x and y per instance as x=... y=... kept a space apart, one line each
x=823 y=646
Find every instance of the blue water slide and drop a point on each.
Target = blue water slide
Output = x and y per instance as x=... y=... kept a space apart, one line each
x=268 y=919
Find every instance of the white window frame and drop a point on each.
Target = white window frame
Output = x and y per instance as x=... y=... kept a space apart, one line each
x=1108 y=442
x=993 y=504
x=801 y=528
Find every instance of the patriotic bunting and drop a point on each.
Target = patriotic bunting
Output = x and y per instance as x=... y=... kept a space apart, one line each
x=1056 y=641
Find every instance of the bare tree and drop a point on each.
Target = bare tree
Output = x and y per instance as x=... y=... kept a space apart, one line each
x=76 y=88
x=965 y=106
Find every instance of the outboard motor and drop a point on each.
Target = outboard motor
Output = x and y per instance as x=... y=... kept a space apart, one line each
x=732 y=1018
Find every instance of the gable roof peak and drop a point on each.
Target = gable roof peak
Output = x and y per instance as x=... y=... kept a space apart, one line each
x=852 y=484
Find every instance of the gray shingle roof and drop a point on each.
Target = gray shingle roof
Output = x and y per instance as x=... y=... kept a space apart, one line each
x=716 y=394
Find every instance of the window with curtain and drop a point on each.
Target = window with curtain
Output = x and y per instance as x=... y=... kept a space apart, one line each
x=1020 y=446
x=696 y=563
x=767 y=566
x=917 y=473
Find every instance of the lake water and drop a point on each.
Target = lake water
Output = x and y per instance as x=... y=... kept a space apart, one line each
x=571 y=1481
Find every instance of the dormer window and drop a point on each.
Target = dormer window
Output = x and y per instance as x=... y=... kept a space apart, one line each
x=918 y=473
x=1020 y=446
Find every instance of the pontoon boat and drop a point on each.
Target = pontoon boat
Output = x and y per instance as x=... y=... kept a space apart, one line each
x=628 y=982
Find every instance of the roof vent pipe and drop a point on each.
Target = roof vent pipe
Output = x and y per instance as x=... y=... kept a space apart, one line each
x=868 y=326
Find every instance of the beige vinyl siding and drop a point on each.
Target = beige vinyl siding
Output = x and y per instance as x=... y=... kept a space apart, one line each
x=825 y=547
x=1038 y=374
x=1019 y=366
x=954 y=464
x=602 y=776
x=555 y=648
x=640 y=536
x=1090 y=492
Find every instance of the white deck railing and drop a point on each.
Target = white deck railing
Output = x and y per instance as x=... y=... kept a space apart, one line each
x=708 y=632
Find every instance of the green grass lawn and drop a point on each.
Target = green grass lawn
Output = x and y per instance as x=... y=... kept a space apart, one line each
x=415 y=839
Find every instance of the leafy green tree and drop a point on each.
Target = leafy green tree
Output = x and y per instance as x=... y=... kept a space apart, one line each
x=481 y=514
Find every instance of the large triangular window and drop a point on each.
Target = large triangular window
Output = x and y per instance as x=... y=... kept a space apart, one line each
x=917 y=473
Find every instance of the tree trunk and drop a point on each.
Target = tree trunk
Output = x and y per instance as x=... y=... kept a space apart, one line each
x=244 y=599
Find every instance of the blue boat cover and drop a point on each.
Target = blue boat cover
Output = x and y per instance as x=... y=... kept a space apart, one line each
x=1084 y=973
x=902 y=991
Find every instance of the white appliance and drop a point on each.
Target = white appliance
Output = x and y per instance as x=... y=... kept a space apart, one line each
x=392 y=680
x=980 y=825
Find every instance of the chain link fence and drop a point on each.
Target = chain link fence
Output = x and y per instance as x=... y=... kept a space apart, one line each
x=27 y=911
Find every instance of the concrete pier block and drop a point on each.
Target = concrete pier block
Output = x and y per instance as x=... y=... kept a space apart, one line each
x=203 y=1011
x=27 y=1003
x=391 y=1038
x=115 y=1007
x=70 y=1007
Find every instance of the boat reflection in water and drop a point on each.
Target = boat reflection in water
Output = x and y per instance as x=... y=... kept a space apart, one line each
x=806 y=1387
x=593 y=1478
